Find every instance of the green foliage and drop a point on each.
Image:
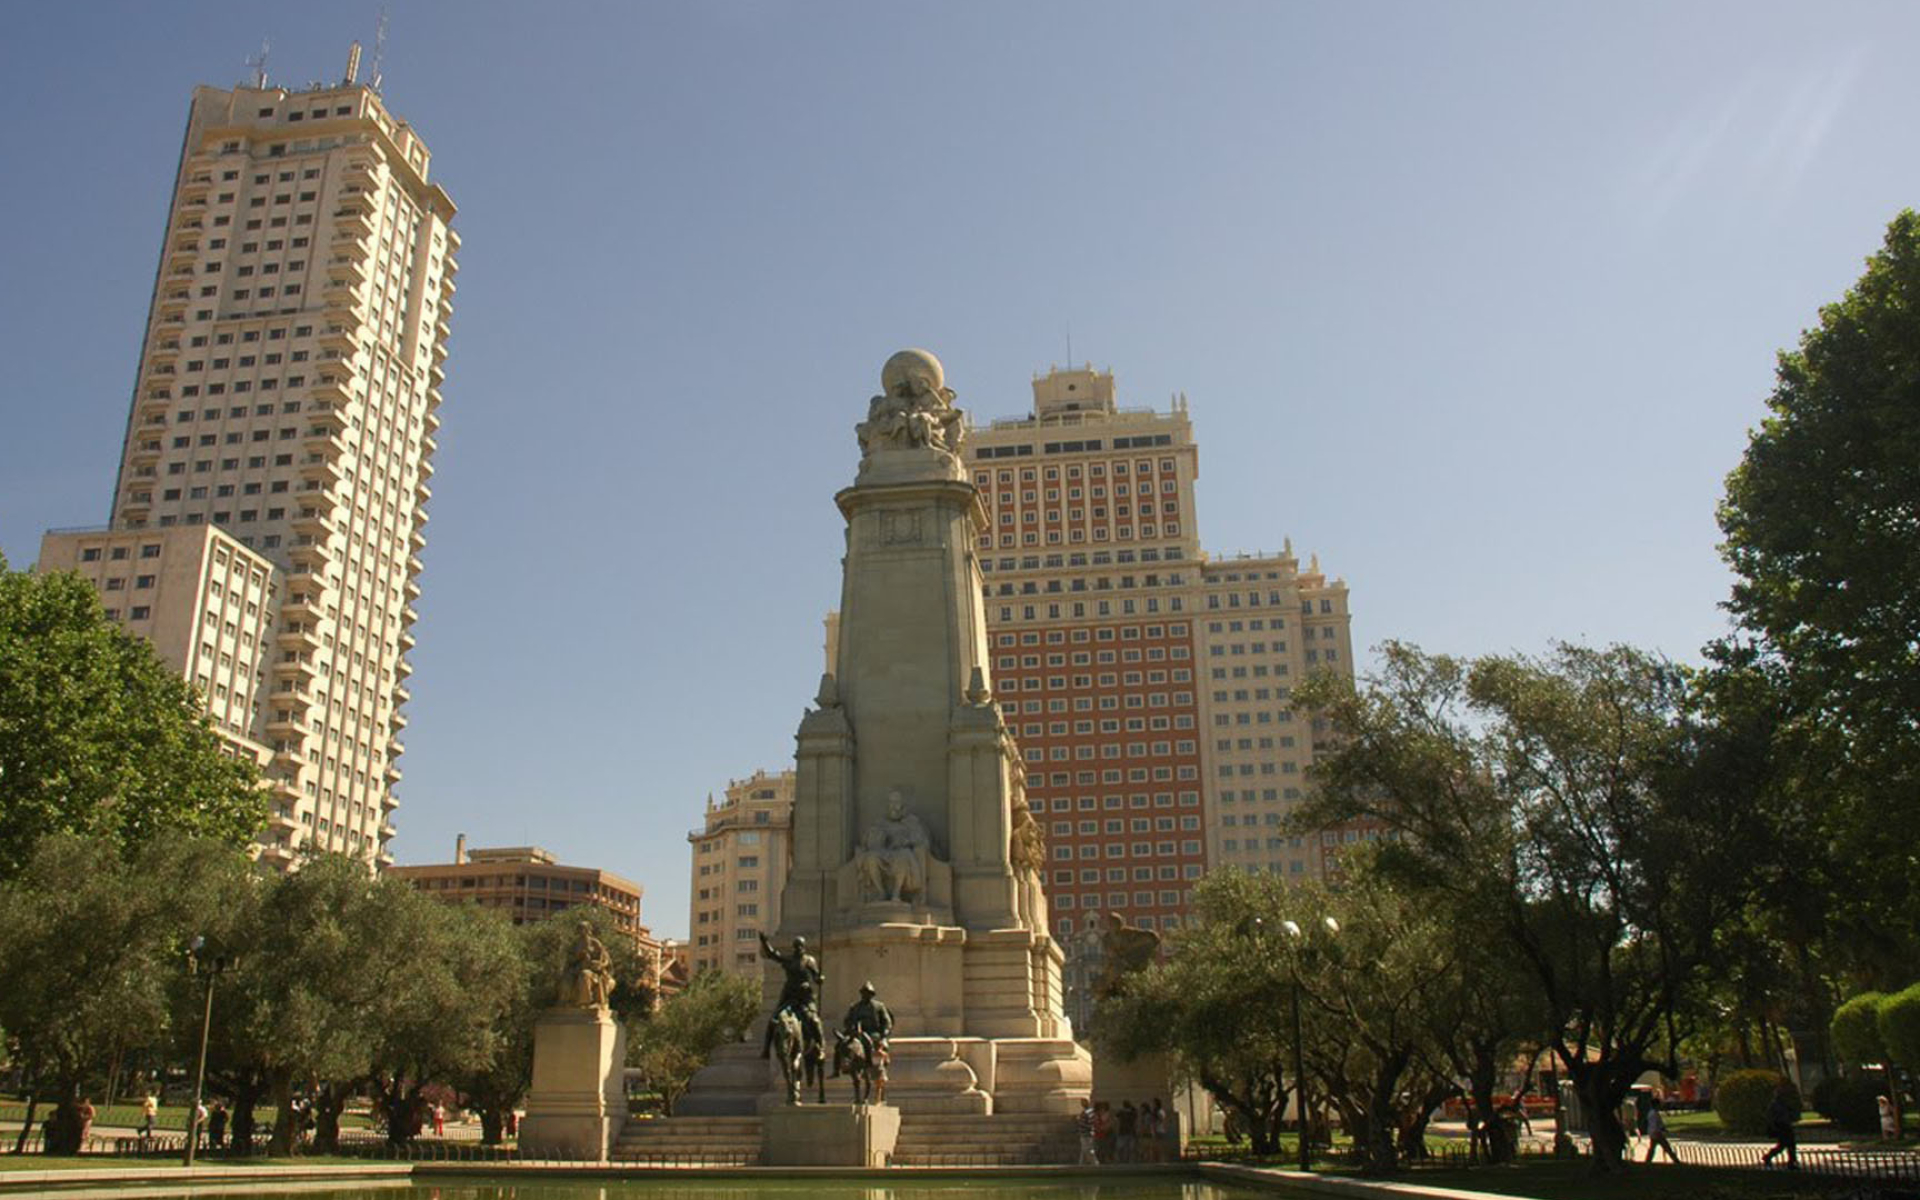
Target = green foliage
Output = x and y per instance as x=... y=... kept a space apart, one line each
x=1899 y=1021
x=98 y=736
x=1742 y=1099
x=1849 y=1102
x=92 y=940
x=1579 y=808
x=1856 y=1030
x=1820 y=519
x=715 y=1008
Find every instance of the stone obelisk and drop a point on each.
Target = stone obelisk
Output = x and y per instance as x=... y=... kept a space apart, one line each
x=915 y=861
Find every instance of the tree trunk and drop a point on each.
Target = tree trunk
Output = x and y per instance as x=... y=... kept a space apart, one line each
x=26 y=1126
x=245 y=1094
x=1499 y=1137
x=1381 y=1154
x=1600 y=1097
x=328 y=1102
x=286 y=1129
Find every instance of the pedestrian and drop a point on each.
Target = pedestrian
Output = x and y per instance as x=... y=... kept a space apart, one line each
x=1782 y=1112
x=1127 y=1130
x=217 y=1126
x=86 y=1114
x=1103 y=1130
x=199 y=1122
x=439 y=1120
x=1889 y=1119
x=149 y=1109
x=1657 y=1132
x=1085 y=1125
x=1152 y=1129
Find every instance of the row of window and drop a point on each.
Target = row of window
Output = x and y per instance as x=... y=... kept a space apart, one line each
x=1095 y=558
x=1143 y=466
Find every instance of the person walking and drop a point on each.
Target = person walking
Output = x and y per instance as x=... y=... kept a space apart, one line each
x=1657 y=1133
x=439 y=1120
x=217 y=1126
x=149 y=1110
x=1084 y=1125
x=1782 y=1112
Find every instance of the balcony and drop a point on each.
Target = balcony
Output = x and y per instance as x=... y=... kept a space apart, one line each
x=402 y=668
x=334 y=389
x=290 y=723
x=276 y=855
x=348 y=269
x=388 y=802
x=320 y=469
x=394 y=774
x=144 y=453
x=417 y=540
x=309 y=552
x=422 y=492
x=395 y=748
x=196 y=189
x=313 y=523
x=426 y=464
x=414 y=565
x=305 y=609
x=301 y=639
x=327 y=445
x=286 y=822
x=407 y=640
x=354 y=200
x=398 y=720
x=300 y=667
x=344 y=338
x=352 y=223
x=166 y=351
x=342 y=299
x=290 y=755
x=436 y=375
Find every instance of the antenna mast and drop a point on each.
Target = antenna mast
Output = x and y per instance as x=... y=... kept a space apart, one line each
x=379 y=50
x=259 y=64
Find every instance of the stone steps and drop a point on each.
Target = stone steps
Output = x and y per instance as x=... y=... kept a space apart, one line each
x=717 y=1141
x=969 y=1139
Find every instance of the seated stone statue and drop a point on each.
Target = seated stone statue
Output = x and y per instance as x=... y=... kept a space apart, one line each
x=892 y=859
x=588 y=982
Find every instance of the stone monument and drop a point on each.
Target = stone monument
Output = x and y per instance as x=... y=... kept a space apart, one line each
x=916 y=864
x=578 y=1100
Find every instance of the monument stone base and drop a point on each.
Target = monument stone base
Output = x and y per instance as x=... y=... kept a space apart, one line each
x=829 y=1135
x=578 y=1102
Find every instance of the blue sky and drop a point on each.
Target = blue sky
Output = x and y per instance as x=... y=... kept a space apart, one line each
x=1476 y=300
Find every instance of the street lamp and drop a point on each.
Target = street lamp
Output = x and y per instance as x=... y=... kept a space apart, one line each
x=1299 y=1042
x=210 y=968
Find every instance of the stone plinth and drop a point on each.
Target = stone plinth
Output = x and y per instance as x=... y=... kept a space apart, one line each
x=829 y=1135
x=730 y=1085
x=578 y=1102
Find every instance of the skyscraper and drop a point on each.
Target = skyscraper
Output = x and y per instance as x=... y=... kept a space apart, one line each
x=741 y=857
x=1148 y=684
x=267 y=518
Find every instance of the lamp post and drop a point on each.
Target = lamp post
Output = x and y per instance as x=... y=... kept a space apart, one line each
x=1299 y=1046
x=210 y=968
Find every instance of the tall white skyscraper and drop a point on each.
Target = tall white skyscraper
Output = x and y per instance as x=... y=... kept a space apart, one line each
x=268 y=516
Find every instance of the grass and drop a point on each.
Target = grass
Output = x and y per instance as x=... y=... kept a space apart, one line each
x=171 y=1117
x=97 y=1162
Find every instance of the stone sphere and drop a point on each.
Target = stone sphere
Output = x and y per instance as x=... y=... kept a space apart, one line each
x=911 y=367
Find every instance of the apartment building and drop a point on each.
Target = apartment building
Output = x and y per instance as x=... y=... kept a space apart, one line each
x=1125 y=658
x=740 y=861
x=269 y=511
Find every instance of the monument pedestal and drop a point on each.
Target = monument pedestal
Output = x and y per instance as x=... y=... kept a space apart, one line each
x=578 y=1101
x=829 y=1135
x=730 y=1085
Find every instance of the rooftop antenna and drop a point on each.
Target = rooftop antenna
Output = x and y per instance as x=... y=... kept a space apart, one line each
x=353 y=65
x=259 y=64
x=1069 y=345
x=379 y=50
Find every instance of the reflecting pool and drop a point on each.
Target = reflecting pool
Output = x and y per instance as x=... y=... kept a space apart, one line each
x=481 y=1188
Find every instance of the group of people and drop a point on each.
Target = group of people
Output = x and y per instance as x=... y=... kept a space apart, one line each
x=1127 y=1134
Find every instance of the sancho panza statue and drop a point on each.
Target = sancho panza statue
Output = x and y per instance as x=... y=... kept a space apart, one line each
x=893 y=856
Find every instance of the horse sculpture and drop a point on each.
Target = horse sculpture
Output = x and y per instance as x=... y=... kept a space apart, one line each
x=790 y=1051
x=856 y=1056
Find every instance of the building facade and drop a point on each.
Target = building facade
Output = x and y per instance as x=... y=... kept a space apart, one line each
x=527 y=883
x=740 y=861
x=1147 y=683
x=267 y=519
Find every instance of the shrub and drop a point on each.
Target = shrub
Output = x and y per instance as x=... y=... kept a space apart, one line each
x=1742 y=1098
x=1856 y=1030
x=1849 y=1102
x=1899 y=1022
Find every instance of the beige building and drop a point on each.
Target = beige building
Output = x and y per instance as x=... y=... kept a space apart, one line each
x=527 y=883
x=1152 y=715
x=740 y=862
x=268 y=517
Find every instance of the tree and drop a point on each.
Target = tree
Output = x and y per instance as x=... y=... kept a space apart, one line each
x=1577 y=806
x=713 y=1009
x=91 y=941
x=98 y=736
x=1822 y=517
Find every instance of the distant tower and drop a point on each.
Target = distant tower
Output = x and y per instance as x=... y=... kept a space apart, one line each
x=268 y=516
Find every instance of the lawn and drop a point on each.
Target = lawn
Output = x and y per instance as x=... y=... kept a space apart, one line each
x=172 y=1117
x=109 y=1162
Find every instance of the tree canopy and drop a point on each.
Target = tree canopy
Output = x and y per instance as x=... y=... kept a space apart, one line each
x=1822 y=524
x=98 y=736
